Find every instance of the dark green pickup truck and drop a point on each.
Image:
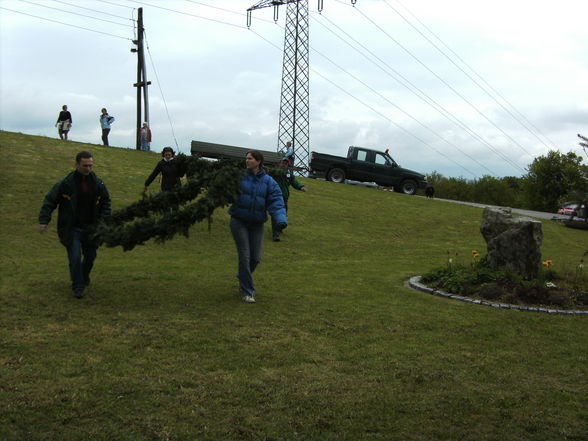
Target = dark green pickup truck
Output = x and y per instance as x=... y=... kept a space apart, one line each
x=366 y=165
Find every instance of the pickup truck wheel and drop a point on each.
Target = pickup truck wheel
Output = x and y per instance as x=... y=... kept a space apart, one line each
x=408 y=187
x=336 y=175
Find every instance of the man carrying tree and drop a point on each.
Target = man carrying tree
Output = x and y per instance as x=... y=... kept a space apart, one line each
x=82 y=199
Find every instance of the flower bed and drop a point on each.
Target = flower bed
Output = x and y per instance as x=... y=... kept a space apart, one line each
x=479 y=282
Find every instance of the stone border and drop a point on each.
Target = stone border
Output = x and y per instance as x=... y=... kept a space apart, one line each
x=415 y=283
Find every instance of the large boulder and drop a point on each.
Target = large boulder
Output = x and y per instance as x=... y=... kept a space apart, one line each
x=514 y=243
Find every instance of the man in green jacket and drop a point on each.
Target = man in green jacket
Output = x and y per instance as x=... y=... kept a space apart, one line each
x=285 y=182
x=82 y=199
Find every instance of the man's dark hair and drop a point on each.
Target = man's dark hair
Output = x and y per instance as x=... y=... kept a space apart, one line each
x=84 y=154
x=257 y=155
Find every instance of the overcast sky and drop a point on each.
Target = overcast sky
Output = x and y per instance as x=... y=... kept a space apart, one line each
x=376 y=78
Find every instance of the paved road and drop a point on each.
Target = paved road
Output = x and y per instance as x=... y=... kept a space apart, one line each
x=529 y=213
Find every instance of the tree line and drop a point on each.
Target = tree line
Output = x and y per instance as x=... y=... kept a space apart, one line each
x=550 y=181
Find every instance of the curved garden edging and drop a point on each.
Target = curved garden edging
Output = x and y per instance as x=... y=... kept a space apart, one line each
x=415 y=283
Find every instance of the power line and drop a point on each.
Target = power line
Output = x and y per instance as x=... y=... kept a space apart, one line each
x=403 y=111
x=395 y=105
x=374 y=110
x=187 y=13
x=75 y=13
x=228 y=10
x=66 y=24
x=161 y=91
x=93 y=10
x=405 y=82
x=392 y=122
x=441 y=79
x=468 y=75
x=380 y=113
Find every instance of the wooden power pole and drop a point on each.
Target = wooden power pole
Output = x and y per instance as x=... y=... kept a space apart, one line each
x=142 y=83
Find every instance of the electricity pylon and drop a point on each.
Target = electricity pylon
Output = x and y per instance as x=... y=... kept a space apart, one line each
x=294 y=100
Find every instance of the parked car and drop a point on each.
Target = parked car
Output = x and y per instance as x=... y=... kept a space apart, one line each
x=570 y=209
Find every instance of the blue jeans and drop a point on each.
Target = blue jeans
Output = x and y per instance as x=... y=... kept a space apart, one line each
x=249 y=241
x=81 y=254
x=145 y=145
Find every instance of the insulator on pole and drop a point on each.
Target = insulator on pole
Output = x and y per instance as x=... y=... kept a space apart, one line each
x=248 y=18
x=276 y=8
x=320 y=6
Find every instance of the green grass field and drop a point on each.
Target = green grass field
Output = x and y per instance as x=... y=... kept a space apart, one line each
x=336 y=348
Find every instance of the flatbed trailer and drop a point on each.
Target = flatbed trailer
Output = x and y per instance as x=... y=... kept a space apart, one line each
x=222 y=151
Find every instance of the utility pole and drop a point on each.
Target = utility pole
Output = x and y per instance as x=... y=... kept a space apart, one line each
x=142 y=83
x=294 y=101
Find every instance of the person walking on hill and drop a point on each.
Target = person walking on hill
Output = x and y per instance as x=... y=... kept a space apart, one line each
x=285 y=182
x=105 y=121
x=64 y=122
x=82 y=199
x=258 y=194
x=145 y=134
x=170 y=169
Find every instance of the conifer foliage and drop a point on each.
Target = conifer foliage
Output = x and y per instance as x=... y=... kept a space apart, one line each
x=210 y=185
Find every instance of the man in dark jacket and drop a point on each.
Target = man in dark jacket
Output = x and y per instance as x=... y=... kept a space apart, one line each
x=171 y=171
x=82 y=199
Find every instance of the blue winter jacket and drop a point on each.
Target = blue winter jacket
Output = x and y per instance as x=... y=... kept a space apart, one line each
x=106 y=120
x=259 y=193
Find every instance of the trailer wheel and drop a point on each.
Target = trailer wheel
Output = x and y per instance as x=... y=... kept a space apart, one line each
x=408 y=186
x=336 y=175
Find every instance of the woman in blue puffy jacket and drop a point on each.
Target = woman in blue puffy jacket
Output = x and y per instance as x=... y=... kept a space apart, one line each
x=258 y=194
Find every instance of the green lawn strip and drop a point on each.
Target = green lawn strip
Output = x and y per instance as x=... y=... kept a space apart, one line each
x=337 y=347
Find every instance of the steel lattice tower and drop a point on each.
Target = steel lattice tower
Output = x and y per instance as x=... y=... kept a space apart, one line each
x=294 y=101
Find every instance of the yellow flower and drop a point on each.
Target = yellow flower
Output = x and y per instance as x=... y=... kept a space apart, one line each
x=547 y=263
x=475 y=254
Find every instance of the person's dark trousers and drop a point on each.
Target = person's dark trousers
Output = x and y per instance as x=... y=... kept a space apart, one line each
x=249 y=242
x=105 y=133
x=276 y=230
x=81 y=254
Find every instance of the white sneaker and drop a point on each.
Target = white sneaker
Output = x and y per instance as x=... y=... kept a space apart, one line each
x=249 y=299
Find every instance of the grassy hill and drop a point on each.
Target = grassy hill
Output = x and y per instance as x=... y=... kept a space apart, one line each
x=337 y=347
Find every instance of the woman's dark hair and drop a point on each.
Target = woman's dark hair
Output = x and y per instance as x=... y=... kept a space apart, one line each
x=257 y=155
x=168 y=149
x=63 y=107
